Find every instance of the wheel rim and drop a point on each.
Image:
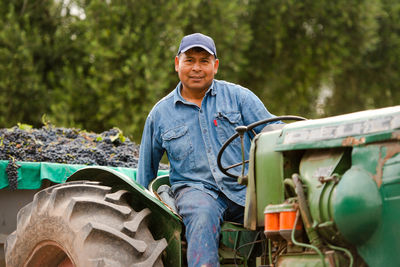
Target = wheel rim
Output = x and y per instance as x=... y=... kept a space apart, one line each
x=49 y=253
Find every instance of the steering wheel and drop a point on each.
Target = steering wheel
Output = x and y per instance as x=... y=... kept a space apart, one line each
x=240 y=131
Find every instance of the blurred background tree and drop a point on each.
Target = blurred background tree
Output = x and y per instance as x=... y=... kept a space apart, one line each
x=369 y=77
x=26 y=58
x=301 y=49
x=96 y=64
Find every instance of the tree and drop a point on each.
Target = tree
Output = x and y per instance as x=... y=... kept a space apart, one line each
x=298 y=46
x=25 y=56
x=370 y=79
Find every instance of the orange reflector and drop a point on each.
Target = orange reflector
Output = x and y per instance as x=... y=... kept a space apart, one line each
x=272 y=221
x=287 y=220
x=279 y=221
x=286 y=223
x=271 y=227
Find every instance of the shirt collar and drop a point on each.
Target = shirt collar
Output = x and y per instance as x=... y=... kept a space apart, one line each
x=178 y=97
x=213 y=88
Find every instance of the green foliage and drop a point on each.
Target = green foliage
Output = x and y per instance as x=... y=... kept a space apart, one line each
x=24 y=126
x=97 y=64
x=227 y=22
x=21 y=68
x=118 y=136
x=302 y=45
x=370 y=79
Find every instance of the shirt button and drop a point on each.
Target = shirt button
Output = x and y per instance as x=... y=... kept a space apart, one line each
x=204 y=131
x=213 y=170
x=201 y=111
x=209 y=150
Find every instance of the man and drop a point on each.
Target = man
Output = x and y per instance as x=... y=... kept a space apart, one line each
x=191 y=124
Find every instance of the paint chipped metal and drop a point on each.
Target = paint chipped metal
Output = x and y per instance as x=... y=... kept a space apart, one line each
x=392 y=149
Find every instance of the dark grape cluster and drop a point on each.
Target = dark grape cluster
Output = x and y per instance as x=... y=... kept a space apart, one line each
x=12 y=173
x=70 y=146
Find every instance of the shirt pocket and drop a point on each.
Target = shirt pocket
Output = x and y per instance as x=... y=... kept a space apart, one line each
x=227 y=122
x=177 y=142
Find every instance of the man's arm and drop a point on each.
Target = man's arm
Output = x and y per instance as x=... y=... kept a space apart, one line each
x=150 y=154
x=254 y=110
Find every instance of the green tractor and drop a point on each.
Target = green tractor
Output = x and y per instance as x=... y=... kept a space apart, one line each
x=320 y=192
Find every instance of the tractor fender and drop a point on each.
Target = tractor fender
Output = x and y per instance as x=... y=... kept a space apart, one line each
x=114 y=178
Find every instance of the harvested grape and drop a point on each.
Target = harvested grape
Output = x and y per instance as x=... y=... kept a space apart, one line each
x=69 y=146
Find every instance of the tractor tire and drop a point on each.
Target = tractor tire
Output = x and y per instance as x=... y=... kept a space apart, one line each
x=82 y=224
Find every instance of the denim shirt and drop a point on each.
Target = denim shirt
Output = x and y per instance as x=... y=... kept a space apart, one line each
x=192 y=137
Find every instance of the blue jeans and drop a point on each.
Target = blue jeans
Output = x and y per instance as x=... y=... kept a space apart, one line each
x=203 y=215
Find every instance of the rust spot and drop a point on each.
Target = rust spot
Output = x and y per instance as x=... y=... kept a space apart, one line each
x=177 y=235
x=396 y=135
x=392 y=149
x=351 y=141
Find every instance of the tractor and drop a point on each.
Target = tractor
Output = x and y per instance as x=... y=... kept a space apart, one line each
x=323 y=192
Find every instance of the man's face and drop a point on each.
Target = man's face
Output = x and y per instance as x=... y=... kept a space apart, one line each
x=196 y=69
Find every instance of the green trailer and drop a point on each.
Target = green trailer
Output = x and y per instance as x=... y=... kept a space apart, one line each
x=322 y=192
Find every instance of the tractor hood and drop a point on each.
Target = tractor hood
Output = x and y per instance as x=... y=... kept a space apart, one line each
x=345 y=130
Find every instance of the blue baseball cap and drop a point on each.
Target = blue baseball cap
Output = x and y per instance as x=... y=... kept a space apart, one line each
x=197 y=40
